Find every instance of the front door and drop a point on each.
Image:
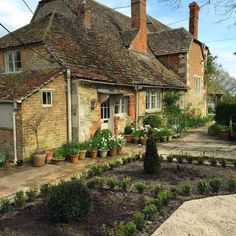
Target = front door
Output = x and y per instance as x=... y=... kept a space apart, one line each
x=106 y=115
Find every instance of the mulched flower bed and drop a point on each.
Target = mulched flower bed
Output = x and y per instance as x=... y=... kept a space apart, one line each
x=114 y=205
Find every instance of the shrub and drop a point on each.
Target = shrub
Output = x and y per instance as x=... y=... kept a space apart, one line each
x=129 y=159
x=138 y=219
x=223 y=163
x=112 y=182
x=96 y=182
x=215 y=184
x=102 y=133
x=159 y=188
x=69 y=201
x=174 y=192
x=125 y=183
x=5 y=205
x=141 y=186
x=170 y=158
x=45 y=189
x=189 y=159
x=117 y=163
x=152 y=163
x=213 y=161
x=95 y=171
x=20 y=199
x=225 y=111
x=153 y=120
x=164 y=197
x=231 y=183
x=180 y=159
x=130 y=229
x=200 y=160
x=111 y=165
x=186 y=189
x=202 y=186
x=149 y=211
x=31 y=194
x=124 y=161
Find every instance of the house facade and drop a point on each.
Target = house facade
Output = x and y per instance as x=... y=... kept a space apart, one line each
x=79 y=66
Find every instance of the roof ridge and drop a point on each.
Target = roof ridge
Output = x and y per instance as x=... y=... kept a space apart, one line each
x=49 y=25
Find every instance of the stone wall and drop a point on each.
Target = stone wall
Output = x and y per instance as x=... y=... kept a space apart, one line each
x=53 y=129
x=31 y=60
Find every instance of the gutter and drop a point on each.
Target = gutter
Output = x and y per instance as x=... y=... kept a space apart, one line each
x=14 y=132
x=136 y=106
x=69 y=101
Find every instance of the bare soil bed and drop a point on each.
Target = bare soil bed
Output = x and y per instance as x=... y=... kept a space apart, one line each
x=110 y=206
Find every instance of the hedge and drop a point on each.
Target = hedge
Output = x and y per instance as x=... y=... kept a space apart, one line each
x=224 y=111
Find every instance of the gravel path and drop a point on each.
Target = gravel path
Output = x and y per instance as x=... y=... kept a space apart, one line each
x=213 y=216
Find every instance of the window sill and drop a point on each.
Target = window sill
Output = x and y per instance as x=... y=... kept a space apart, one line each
x=153 y=110
x=46 y=106
x=12 y=72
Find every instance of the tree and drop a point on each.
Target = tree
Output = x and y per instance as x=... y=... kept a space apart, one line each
x=152 y=164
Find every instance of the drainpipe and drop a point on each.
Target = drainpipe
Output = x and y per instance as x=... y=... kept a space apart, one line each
x=68 y=76
x=14 y=133
x=136 y=106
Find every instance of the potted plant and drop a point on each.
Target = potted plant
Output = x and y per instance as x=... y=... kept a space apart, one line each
x=35 y=123
x=136 y=136
x=59 y=155
x=120 y=143
x=112 y=145
x=224 y=132
x=49 y=156
x=74 y=155
x=128 y=133
x=4 y=160
x=169 y=135
x=103 y=148
x=83 y=146
x=93 y=147
x=157 y=135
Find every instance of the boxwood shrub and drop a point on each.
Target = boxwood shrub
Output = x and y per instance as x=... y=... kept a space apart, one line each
x=69 y=201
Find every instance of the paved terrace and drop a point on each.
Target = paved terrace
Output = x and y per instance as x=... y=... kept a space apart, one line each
x=194 y=142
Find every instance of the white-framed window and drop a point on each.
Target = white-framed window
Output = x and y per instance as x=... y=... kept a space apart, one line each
x=153 y=99
x=12 y=61
x=121 y=105
x=197 y=86
x=47 y=98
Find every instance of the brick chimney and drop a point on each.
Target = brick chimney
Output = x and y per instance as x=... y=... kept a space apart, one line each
x=138 y=21
x=84 y=13
x=193 y=19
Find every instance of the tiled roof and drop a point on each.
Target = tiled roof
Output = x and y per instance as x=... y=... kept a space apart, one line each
x=18 y=86
x=170 y=41
x=99 y=53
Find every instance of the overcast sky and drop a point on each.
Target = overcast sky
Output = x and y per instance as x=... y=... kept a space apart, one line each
x=14 y=14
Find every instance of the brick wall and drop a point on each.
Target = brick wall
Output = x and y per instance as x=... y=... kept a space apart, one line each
x=6 y=141
x=53 y=130
x=196 y=68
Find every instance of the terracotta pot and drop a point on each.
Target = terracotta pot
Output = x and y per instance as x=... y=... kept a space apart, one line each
x=225 y=135
x=136 y=140
x=158 y=140
x=93 y=154
x=39 y=159
x=113 y=152
x=74 y=158
x=119 y=150
x=49 y=156
x=82 y=154
x=103 y=153
x=6 y=164
x=58 y=161
x=129 y=138
x=164 y=139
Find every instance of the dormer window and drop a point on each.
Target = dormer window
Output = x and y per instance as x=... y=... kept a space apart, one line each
x=12 y=61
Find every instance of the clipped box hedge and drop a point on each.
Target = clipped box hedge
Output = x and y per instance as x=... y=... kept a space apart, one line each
x=224 y=111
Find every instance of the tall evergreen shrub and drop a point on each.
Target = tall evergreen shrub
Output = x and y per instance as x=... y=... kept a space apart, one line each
x=152 y=163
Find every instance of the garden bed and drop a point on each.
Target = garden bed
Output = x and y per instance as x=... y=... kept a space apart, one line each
x=114 y=205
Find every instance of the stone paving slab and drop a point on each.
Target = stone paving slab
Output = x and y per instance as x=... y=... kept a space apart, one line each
x=213 y=216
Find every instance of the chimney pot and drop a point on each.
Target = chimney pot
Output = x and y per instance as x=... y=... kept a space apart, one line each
x=84 y=13
x=193 y=19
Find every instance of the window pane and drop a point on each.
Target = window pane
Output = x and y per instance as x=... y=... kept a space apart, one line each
x=44 y=98
x=147 y=100
x=49 y=98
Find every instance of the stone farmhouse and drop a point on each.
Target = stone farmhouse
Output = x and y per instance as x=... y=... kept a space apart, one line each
x=79 y=66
